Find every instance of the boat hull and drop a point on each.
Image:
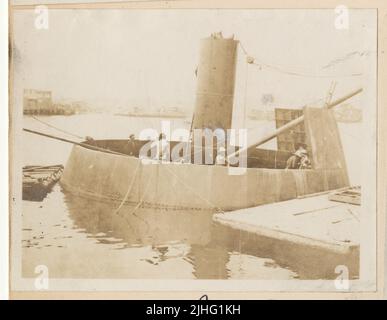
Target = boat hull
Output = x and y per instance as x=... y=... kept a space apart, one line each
x=126 y=180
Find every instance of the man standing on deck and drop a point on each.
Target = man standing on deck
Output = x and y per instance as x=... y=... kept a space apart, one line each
x=161 y=146
x=132 y=146
x=299 y=157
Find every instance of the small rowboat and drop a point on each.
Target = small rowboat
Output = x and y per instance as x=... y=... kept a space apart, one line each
x=38 y=181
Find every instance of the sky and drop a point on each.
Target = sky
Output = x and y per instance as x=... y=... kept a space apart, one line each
x=147 y=58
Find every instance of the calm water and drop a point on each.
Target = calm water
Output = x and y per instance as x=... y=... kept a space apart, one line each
x=79 y=238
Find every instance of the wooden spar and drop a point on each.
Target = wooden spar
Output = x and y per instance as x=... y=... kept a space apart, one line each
x=33 y=168
x=291 y=124
x=74 y=142
x=341 y=100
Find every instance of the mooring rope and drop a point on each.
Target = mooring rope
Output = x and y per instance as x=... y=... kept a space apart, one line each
x=56 y=128
x=251 y=60
x=140 y=202
x=116 y=211
x=220 y=210
x=129 y=189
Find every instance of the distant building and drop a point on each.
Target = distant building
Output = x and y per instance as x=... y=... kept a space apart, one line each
x=41 y=103
x=267 y=99
x=37 y=102
x=348 y=113
x=80 y=107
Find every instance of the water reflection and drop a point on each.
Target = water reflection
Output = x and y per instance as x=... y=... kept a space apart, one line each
x=172 y=236
x=160 y=229
x=82 y=238
x=138 y=226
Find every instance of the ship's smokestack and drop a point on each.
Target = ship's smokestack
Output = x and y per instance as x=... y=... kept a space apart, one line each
x=215 y=83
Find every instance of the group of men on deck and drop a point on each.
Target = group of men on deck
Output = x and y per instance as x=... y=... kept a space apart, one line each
x=298 y=160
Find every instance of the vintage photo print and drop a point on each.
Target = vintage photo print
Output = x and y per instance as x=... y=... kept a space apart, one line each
x=187 y=148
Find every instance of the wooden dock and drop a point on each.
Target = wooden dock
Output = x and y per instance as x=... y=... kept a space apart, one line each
x=308 y=232
x=38 y=181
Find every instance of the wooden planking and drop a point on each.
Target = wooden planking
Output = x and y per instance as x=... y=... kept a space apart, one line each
x=38 y=181
x=351 y=196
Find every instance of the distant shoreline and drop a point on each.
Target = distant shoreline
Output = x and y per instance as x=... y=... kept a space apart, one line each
x=150 y=115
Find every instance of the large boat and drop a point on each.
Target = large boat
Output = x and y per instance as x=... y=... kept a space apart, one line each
x=111 y=170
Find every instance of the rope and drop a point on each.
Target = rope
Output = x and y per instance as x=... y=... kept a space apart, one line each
x=243 y=49
x=220 y=210
x=245 y=100
x=133 y=212
x=292 y=73
x=140 y=201
x=142 y=198
x=129 y=189
x=299 y=74
x=56 y=128
x=146 y=188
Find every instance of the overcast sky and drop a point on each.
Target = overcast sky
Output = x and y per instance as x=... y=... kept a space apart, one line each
x=148 y=57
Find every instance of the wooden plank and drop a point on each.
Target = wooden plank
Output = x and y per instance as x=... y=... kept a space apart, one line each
x=39 y=180
x=352 y=196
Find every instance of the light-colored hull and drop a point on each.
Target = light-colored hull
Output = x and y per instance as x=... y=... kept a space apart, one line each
x=124 y=179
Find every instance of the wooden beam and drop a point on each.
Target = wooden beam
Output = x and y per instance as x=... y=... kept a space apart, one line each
x=290 y=125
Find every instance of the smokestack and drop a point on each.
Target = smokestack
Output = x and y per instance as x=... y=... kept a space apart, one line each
x=215 y=83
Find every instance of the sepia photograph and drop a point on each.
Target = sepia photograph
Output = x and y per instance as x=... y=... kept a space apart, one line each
x=164 y=147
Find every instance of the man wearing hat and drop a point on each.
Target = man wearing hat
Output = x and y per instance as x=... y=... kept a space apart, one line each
x=300 y=156
x=132 y=146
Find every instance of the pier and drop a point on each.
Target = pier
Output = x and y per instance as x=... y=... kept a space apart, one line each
x=38 y=181
x=313 y=231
